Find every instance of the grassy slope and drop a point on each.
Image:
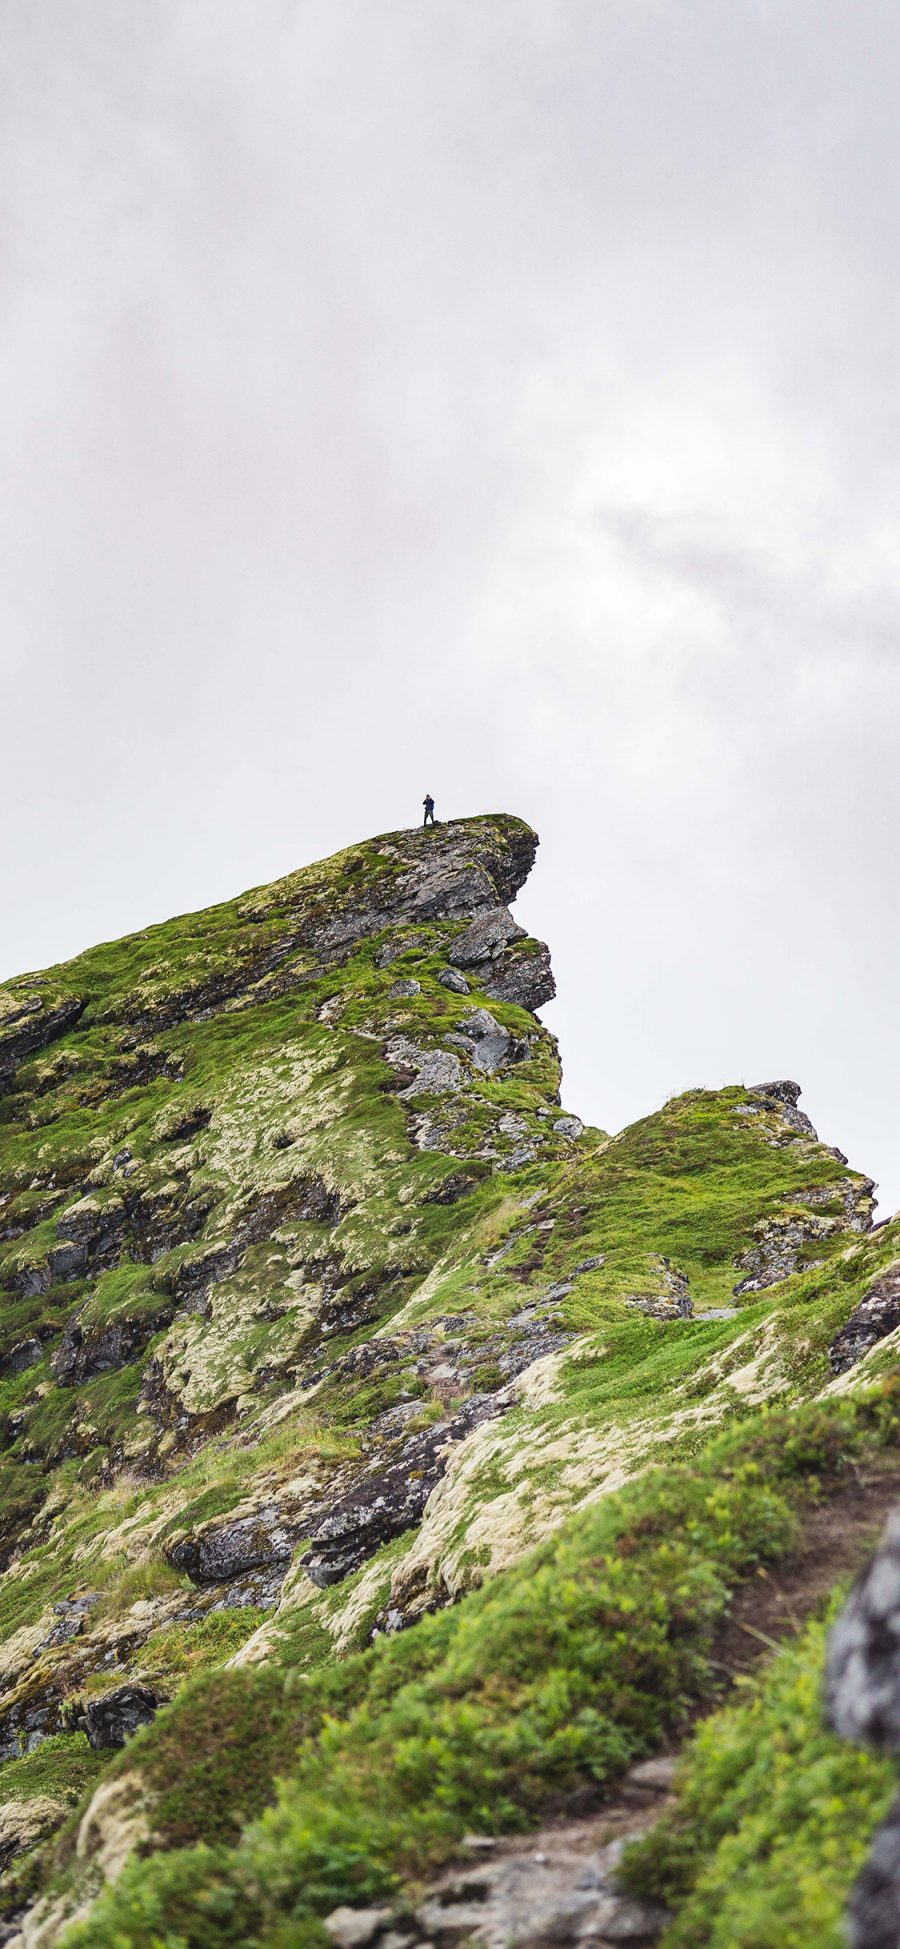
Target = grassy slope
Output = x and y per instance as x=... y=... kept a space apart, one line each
x=567 y=1668
x=773 y=1820
x=222 y=1090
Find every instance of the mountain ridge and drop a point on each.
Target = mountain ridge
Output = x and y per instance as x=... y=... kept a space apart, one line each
x=319 y=1315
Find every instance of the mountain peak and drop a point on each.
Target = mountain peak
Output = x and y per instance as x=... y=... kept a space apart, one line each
x=317 y=1314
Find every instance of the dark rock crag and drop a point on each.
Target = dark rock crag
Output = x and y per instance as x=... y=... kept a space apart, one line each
x=863 y=1699
x=877 y=1315
x=110 y=1720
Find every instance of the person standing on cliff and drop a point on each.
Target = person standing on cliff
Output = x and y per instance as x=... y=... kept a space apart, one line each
x=428 y=803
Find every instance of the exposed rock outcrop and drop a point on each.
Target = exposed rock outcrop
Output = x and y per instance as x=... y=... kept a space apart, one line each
x=670 y=1299
x=111 y=1719
x=221 y=1553
x=384 y=1503
x=790 y=1241
x=877 y=1315
x=783 y=1097
x=81 y=1356
x=32 y=1017
x=863 y=1697
x=503 y=962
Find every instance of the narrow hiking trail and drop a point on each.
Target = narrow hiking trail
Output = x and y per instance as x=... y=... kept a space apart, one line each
x=556 y=1887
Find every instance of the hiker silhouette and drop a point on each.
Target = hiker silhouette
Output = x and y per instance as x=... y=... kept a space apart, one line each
x=428 y=803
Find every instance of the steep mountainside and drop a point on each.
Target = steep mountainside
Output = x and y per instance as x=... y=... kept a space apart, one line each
x=386 y=1445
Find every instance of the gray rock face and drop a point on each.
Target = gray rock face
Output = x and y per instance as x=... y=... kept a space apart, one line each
x=863 y=1701
x=569 y=1127
x=521 y=974
x=784 y=1097
x=877 y=1314
x=447 y=891
x=26 y=1725
x=873 y=1915
x=504 y=963
x=538 y=1912
x=670 y=1301
x=79 y=1356
x=92 y=1237
x=432 y=1072
x=451 y=872
x=778 y=1253
x=386 y=1502
x=67 y=1262
x=73 y=1614
x=260 y=1541
x=25 y=1355
x=111 y=1720
x=31 y=1280
x=488 y=1043
x=782 y=1240
x=33 y=1025
x=485 y=938
x=863 y=1677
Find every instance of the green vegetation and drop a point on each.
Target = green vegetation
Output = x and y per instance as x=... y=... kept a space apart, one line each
x=568 y=1668
x=62 y=1766
x=266 y=1224
x=774 y=1818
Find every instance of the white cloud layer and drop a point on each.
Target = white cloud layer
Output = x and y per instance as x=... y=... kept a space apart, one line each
x=499 y=400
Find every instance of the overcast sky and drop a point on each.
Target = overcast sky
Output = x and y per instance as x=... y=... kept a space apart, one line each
x=492 y=397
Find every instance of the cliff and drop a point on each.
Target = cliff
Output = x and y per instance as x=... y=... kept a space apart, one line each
x=384 y=1452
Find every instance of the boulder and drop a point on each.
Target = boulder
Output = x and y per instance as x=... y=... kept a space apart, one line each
x=110 y=1720
x=431 y=1072
x=863 y=1700
x=73 y=1613
x=521 y=974
x=454 y=979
